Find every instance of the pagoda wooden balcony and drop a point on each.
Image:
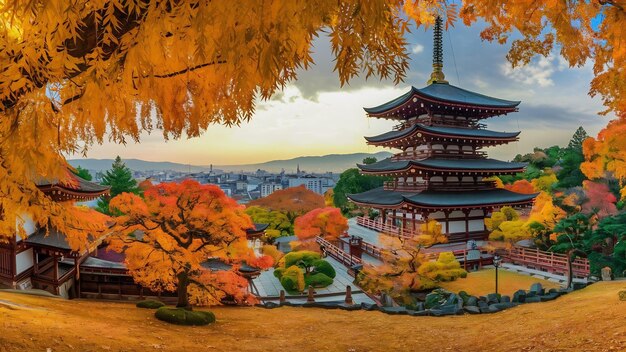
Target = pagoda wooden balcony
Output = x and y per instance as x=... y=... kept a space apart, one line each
x=399 y=186
x=462 y=186
x=424 y=154
x=384 y=228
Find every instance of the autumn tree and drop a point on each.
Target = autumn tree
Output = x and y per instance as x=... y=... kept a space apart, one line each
x=168 y=234
x=599 y=199
x=121 y=180
x=505 y=225
x=352 y=181
x=292 y=201
x=327 y=223
x=278 y=223
x=76 y=73
x=405 y=268
x=571 y=236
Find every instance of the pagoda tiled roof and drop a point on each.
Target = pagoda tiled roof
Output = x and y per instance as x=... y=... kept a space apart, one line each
x=446 y=93
x=448 y=131
x=486 y=164
x=442 y=199
x=76 y=184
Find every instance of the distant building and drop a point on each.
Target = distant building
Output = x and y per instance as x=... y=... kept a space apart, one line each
x=269 y=188
x=310 y=182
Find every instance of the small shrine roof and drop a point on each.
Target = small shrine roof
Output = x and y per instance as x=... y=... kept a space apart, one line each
x=447 y=131
x=442 y=164
x=442 y=199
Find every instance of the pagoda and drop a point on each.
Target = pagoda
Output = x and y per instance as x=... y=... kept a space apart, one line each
x=441 y=171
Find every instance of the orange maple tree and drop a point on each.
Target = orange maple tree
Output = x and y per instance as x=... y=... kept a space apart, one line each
x=169 y=234
x=292 y=201
x=521 y=186
x=327 y=222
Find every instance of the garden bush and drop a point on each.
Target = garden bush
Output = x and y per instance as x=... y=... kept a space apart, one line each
x=150 y=304
x=324 y=267
x=181 y=316
x=446 y=268
x=317 y=280
x=307 y=257
x=293 y=279
x=273 y=252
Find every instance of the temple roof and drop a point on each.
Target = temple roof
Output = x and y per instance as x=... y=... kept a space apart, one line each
x=217 y=264
x=445 y=93
x=53 y=239
x=447 y=131
x=77 y=187
x=442 y=199
x=92 y=262
x=388 y=165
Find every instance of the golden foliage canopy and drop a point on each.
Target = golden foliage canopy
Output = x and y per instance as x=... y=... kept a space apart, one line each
x=327 y=222
x=74 y=73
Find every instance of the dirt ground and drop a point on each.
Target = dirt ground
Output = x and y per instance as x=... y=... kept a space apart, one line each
x=593 y=319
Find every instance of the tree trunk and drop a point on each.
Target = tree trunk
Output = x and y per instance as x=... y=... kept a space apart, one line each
x=183 y=298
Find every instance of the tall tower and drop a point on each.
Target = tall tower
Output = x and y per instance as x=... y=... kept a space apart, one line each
x=440 y=169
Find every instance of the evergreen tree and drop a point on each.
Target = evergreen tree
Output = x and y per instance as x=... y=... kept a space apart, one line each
x=121 y=180
x=82 y=173
x=369 y=160
x=570 y=174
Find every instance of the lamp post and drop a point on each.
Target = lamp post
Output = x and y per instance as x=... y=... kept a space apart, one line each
x=497 y=260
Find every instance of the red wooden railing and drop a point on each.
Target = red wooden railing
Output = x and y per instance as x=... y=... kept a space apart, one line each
x=555 y=263
x=339 y=254
x=385 y=228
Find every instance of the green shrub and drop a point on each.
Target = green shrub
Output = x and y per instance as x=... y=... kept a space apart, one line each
x=293 y=279
x=317 y=280
x=324 y=267
x=150 y=304
x=181 y=316
x=307 y=257
x=278 y=273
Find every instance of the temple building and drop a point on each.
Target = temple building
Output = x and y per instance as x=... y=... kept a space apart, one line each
x=44 y=259
x=441 y=171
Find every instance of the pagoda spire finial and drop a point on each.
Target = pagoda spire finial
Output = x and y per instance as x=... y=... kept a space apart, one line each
x=437 y=76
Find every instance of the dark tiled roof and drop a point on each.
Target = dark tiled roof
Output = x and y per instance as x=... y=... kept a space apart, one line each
x=54 y=239
x=443 y=92
x=495 y=196
x=78 y=184
x=92 y=262
x=217 y=264
x=451 y=131
x=442 y=163
x=257 y=228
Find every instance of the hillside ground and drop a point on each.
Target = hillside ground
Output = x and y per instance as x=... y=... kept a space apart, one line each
x=592 y=319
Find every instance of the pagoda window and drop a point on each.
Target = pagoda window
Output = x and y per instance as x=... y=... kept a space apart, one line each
x=436 y=179
x=437 y=147
x=476 y=225
x=452 y=179
x=476 y=212
x=468 y=179
x=457 y=214
x=456 y=226
x=453 y=147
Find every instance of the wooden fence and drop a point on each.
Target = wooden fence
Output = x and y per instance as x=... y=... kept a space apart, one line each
x=385 y=228
x=555 y=263
x=339 y=254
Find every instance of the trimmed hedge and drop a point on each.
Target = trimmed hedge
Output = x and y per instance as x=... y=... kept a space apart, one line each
x=293 y=258
x=150 y=304
x=292 y=279
x=317 y=280
x=181 y=316
x=324 y=267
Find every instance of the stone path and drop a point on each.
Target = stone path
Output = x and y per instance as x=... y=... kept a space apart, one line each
x=269 y=286
x=368 y=235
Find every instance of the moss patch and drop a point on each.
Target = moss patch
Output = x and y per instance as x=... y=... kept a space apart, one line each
x=181 y=316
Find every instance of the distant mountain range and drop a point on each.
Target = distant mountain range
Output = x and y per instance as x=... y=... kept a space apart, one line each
x=318 y=164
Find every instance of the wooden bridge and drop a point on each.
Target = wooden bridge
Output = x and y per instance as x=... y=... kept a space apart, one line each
x=554 y=263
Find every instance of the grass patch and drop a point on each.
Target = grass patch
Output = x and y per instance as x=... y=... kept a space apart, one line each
x=150 y=304
x=480 y=283
x=181 y=316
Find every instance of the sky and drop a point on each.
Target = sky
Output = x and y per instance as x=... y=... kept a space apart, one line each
x=316 y=116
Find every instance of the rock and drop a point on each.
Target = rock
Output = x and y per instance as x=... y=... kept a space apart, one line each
x=622 y=295
x=421 y=313
x=472 y=301
x=537 y=288
x=549 y=297
x=368 y=306
x=519 y=296
x=489 y=309
x=270 y=305
x=349 y=307
x=482 y=304
x=465 y=296
x=533 y=299
x=493 y=298
x=578 y=285
x=419 y=306
x=472 y=309
x=394 y=310
x=502 y=306
x=505 y=299
x=436 y=298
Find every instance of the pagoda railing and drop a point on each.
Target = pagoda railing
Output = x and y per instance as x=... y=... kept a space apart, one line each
x=404 y=186
x=423 y=154
x=337 y=253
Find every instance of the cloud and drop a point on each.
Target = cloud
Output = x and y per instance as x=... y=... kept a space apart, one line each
x=538 y=72
x=417 y=48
